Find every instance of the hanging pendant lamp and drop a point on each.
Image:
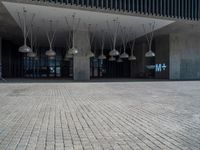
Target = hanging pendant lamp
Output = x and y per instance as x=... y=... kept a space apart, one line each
x=124 y=36
x=91 y=39
x=115 y=29
x=149 y=38
x=132 y=58
x=124 y=55
x=91 y=54
x=150 y=53
x=114 y=52
x=73 y=28
x=102 y=57
x=32 y=54
x=50 y=53
x=73 y=51
x=25 y=48
x=50 y=36
x=68 y=43
x=132 y=46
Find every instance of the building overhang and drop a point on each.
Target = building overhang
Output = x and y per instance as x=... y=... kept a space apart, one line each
x=57 y=14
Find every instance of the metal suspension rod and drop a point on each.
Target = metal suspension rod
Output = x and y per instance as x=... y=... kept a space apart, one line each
x=116 y=33
x=115 y=30
x=124 y=37
x=102 y=41
x=74 y=27
x=149 y=36
x=49 y=36
x=24 y=25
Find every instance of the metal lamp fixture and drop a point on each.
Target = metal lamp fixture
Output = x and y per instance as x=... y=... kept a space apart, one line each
x=50 y=53
x=132 y=46
x=149 y=38
x=102 y=56
x=68 y=44
x=124 y=41
x=50 y=36
x=91 y=54
x=119 y=60
x=32 y=54
x=73 y=28
x=124 y=55
x=91 y=37
x=114 y=29
x=114 y=52
x=150 y=53
x=73 y=51
x=25 y=48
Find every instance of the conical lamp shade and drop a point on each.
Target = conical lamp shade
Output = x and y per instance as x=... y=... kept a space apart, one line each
x=25 y=49
x=73 y=51
x=150 y=53
x=101 y=57
x=50 y=53
x=124 y=55
x=114 y=52
x=31 y=54
x=132 y=58
x=91 y=54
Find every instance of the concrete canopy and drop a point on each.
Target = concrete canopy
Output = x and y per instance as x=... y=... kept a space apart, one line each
x=46 y=13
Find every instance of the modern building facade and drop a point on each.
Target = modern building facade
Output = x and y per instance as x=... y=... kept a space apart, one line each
x=85 y=39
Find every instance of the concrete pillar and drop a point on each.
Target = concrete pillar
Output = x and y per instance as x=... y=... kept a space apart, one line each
x=184 y=56
x=162 y=55
x=81 y=61
x=0 y=58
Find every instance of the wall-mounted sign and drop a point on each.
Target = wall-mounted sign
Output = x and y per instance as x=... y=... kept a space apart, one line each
x=160 y=67
x=157 y=67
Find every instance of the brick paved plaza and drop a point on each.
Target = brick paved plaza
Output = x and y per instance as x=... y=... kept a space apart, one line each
x=96 y=116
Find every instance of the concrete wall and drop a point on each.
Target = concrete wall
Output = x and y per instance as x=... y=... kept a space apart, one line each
x=0 y=57
x=81 y=61
x=184 y=56
x=162 y=55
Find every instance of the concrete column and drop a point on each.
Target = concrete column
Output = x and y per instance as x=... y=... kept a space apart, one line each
x=184 y=56
x=81 y=61
x=0 y=58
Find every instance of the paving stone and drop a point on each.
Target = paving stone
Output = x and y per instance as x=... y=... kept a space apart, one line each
x=100 y=116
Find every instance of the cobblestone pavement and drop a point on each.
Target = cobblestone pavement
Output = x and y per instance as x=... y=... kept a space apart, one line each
x=96 y=116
